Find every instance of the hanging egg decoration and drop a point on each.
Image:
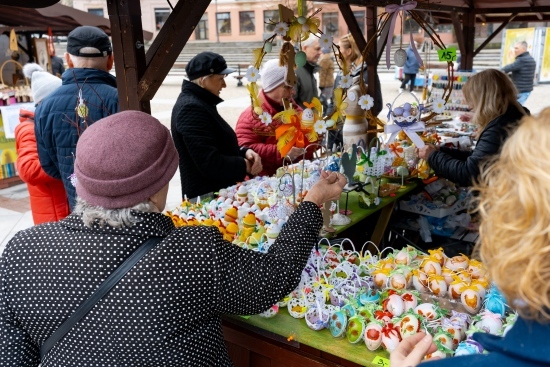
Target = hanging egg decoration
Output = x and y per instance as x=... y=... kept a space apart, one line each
x=400 y=57
x=300 y=58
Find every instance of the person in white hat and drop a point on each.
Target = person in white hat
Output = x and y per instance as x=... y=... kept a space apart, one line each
x=48 y=198
x=274 y=90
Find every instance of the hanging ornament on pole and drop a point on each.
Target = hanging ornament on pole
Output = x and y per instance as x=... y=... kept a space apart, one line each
x=394 y=10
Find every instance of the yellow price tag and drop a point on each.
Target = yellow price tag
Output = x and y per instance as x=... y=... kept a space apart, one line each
x=381 y=361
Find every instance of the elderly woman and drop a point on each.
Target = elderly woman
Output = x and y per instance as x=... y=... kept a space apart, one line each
x=514 y=245
x=166 y=310
x=210 y=156
x=493 y=97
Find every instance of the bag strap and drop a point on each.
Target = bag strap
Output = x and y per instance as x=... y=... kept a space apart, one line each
x=103 y=289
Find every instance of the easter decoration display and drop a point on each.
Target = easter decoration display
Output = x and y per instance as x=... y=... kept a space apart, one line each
x=378 y=299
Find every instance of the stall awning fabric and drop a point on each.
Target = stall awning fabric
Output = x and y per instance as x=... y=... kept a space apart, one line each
x=60 y=18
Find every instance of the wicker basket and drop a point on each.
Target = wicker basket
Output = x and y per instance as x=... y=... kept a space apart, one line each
x=4 y=85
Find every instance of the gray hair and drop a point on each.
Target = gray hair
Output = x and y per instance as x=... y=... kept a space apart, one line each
x=117 y=218
x=90 y=62
x=198 y=81
x=523 y=44
x=310 y=41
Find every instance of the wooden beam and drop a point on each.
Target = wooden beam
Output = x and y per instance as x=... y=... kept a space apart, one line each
x=457 y=25
x=353 y=26
x=497 y=31
x=523 y=9
x=168 y=44
x=424 y=5
x=128 y=51
x=468 y=30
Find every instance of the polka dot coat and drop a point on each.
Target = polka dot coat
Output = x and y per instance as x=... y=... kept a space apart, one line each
x=165 y=312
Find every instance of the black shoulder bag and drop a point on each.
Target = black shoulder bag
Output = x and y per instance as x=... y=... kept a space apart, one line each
x=103 y=289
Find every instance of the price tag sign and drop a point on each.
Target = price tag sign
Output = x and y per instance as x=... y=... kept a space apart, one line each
x=382 y=362
x=448 y=54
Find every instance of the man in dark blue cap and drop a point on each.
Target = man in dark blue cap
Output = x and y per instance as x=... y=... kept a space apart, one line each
x=87 y=94
x=210 y=156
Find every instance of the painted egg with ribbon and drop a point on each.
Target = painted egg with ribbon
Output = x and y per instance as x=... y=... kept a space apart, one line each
x=420 y=281
x=371 y=296
x=355 y=329
x=380 y=277
x=431 y=266
x=398 y=281
x=468 y=347
x=395 y=305
x=437 y=285
x=373 y=335
x=390 y=337
x=490 y=322
x=445 y=339
x=398 y=111
x=337 y=323
x=456 y=263
x=454 y=329
x=471 y=300
x=384 y=316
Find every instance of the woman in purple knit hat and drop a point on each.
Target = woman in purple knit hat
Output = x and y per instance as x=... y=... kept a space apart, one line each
x=166 y=310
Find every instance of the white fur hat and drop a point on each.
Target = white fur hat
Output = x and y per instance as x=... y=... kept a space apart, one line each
x=42 y=82
x=272 y=75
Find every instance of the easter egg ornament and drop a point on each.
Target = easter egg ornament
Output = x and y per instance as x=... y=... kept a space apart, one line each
x=400 y=57
x=300 y=58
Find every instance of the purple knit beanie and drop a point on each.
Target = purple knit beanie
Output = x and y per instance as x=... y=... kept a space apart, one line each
x=124 y=159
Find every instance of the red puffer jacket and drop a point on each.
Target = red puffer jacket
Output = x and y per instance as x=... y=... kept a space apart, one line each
x=264 y=145
x=48 y=197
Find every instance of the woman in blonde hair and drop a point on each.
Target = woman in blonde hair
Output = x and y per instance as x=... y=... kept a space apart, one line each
x=493 y=98
x=354 y=62
x=514 y=239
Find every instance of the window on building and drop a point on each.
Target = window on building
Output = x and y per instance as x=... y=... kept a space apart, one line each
x=330 y=24
x=223 y=22
x=161 y=15
x=96 y=11
x=360 y=18
x=271 y=16
x=201 y=32
x=247 y=22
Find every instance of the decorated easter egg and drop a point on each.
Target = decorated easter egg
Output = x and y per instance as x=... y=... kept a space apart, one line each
x=409 y=325
x=400 y=57
x=410 y=301
x=468 y=347
x=302 y=20
x=427 y=310
x=337 y=323
x=407 y=106
x=373 y=335
x=402 y=171
x=297 y=308
x=268 y=46
x=355 y=329
x=438 y=286
x=420 y=281
x=471 y=300
x=445 y=339
x=398 y=281
x=390 y=337
x=300 y=58
x=490 y=322
x=406 y=113
x=431 y=267
x=456 y=263
x=330 y=123
x=384 y=316
x=369 y=297
x=308 y=116
x=395 y=305
x=438 y=354
x=398 y=111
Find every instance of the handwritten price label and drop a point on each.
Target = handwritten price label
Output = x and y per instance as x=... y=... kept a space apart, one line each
x=448 y=54
x=382 y=362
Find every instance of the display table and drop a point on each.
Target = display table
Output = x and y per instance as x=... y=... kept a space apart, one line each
x=286 y=341
x=385 y=208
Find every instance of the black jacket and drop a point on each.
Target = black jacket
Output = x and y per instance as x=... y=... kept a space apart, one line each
x=165 y=312
x=523 y=72
x=306 y=84
x=462 y=167
x=210 y=156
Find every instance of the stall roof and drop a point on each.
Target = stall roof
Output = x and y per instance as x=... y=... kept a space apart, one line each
x=60 y=18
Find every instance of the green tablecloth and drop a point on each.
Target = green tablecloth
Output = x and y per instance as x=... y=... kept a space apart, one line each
x=285 y=325
x=359 y=213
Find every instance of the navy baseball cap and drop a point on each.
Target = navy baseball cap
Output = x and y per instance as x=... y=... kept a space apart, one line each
x=88 y=41
x=207 y=63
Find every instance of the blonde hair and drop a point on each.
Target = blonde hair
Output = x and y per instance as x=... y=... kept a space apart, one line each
x=347 y=41
x=490 y=93
x=514 y=205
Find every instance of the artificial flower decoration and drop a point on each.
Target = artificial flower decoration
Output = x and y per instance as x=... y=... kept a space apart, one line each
x=438 y=105
x=300 y=32
x=265 y=118
x=320 y=127
x=252 y=74
x=366 y=102
x=339 y=104
x=281 y=28
x=346 y=81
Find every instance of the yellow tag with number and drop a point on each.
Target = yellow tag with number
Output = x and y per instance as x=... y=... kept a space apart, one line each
x=381 y=361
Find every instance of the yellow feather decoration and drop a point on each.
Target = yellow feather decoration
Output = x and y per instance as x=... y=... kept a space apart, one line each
x=257 y=54
x=284 y=116
x=253 y=91
x=339 y=105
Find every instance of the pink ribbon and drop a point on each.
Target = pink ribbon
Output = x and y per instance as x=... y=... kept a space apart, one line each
x=395 y=9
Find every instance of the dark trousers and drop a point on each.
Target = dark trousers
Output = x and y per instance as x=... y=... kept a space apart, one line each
x=406 y=79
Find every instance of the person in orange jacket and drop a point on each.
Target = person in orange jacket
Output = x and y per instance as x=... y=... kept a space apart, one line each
x=47 y=194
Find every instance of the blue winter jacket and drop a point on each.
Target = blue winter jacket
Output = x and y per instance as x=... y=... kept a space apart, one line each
x=57 y=125
x=412 y=64
x=525 y=345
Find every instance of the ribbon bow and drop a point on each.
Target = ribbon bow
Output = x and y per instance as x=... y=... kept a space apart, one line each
x=394 y=129
x=395 y=9
x=396 y=149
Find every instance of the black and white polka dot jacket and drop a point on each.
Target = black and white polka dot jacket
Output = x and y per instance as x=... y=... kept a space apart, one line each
x=165 y=312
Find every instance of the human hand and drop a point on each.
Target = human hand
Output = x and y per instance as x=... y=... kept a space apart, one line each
x=412 y=350
x=329 y=187
x=426 y=151
x=255 y=162
x=295 y=152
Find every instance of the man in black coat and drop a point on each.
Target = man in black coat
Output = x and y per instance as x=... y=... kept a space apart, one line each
x=522 y=71
x=210 y=156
